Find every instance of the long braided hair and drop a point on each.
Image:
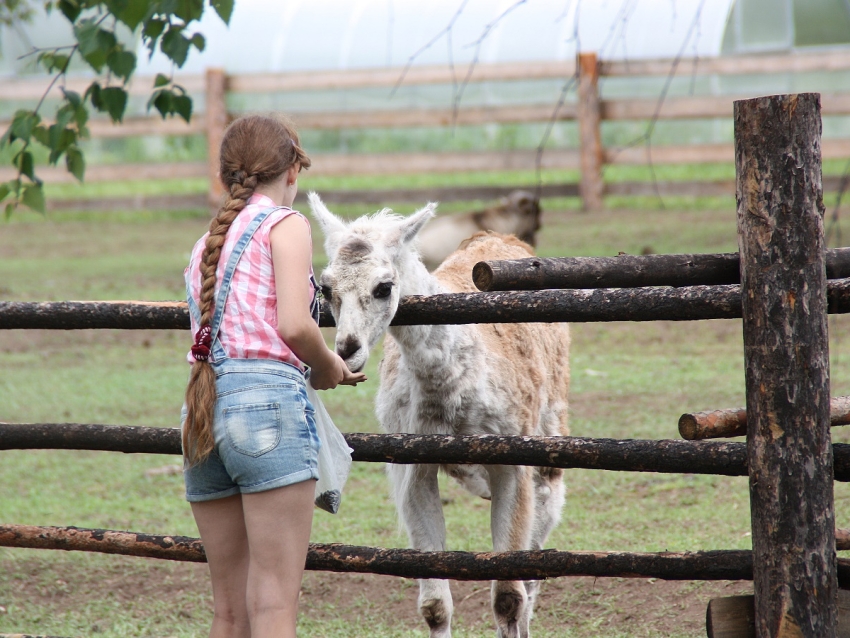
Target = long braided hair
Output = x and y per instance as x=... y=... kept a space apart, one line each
x=255 y=150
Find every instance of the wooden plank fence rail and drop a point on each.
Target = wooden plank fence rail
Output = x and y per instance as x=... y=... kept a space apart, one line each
x=590 y=112
x=409 y=563
x=626 y=271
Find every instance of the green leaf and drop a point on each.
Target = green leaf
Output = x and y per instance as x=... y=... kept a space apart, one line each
x=175 y=45
x=198 y=41
x=224 y=9
x=162 y=100
x=5 y=189
x=23 y=123
x=161 y=80
x=46 y=60
x=41 y=134
x=114 y=101
x=73 y=97
x=95 y=43
x=134 y=13
x=10 y=207
x=51 y=61
x=81 y=113
x=70 y=9
x=33 y=197
x=182 y=105
x=93 y=93
x=150 y=33
x=122 y=63
x=188 y=10
x=64 y=115
x=23 y=162
x=75 y=162
x=60 y=140
x=60 y=62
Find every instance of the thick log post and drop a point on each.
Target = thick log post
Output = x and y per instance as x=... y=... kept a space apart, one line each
x=590 y=139
x=734 y=616
x=783 y=283
x=216 y=122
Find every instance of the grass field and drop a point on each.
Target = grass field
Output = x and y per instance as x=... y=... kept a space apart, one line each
x=629 y=380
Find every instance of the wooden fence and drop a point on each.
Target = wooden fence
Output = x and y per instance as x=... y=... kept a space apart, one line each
x=590 y=112
x=783 y=299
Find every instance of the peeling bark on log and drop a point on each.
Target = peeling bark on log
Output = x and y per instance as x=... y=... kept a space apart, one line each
x=630 y=455
x=716 y=424
x=626 y=271
x=409 y=563
x=786 y=355
x=547 y=306
x=735 y=617
x=842 y=538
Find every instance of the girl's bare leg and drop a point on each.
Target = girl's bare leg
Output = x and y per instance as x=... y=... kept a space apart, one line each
x=278 y=524
x=222 y=526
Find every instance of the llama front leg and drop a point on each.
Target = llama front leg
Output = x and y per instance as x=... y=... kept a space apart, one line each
x=511 y=525
x=549 y=501
x=417 y=497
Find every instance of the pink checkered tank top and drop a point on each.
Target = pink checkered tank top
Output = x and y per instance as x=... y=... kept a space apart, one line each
x=249 y=323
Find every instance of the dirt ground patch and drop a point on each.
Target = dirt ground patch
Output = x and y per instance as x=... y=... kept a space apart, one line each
x=589 y=606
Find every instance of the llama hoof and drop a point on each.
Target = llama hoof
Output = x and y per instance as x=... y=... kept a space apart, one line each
x=507 y=605
x=437 y=616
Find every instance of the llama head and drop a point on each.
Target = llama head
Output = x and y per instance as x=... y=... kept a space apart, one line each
x=371 y=262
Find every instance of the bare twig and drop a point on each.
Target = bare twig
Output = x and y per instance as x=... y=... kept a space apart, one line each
x=646 y=137
x=488 y=28
x=568 y=86
x=446 y=31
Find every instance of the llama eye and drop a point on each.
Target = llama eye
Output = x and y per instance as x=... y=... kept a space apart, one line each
x=326 y=291
x=382 y=290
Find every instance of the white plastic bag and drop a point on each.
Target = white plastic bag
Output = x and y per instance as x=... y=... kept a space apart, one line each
x=334 y=457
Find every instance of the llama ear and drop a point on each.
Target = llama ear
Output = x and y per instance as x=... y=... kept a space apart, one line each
x=410 y=227
x=331 y=224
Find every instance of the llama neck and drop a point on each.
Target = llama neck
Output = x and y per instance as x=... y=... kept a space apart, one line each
x=431 y=347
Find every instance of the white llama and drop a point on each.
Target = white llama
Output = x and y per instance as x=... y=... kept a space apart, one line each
x=509 y=379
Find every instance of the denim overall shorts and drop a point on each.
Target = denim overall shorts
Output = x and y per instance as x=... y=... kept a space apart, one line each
x=264 y=427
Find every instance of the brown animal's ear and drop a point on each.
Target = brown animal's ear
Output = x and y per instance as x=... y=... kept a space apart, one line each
x=410 y=226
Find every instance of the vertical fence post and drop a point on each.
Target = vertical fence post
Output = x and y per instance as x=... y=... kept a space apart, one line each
x=216 y=122
x=786 y=352
x=590 y=140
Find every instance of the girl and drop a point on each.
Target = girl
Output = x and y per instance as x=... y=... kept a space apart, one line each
x=249 y=438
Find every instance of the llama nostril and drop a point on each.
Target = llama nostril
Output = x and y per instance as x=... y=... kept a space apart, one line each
x=348 y=347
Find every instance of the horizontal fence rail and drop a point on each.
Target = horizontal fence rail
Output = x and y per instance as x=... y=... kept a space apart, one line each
x=626 y=271
x=716 y=424
x=688 y=303
x=216 y=88
x=630 y=455
x=409 y=563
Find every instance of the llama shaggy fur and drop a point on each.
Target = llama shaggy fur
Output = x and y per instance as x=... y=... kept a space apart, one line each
x=508 y=379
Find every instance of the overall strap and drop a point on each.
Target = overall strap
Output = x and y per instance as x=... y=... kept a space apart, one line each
x=224 y=288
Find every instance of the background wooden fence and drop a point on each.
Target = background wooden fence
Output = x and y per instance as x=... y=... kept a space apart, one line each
x=213 y=92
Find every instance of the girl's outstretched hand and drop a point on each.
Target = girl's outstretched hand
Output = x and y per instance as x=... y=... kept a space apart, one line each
x=352 y=378
x=336 y=373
